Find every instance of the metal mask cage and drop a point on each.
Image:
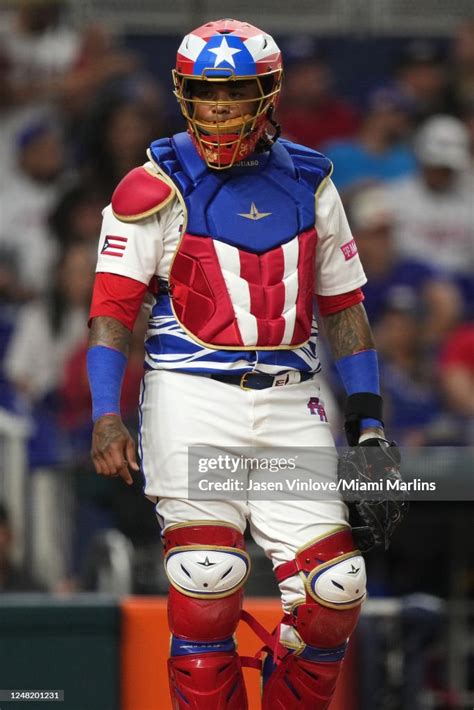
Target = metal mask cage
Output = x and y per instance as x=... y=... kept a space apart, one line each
x=222 y=143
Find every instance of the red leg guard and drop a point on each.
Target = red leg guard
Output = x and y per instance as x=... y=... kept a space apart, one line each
x=323 y=627
x=208 y=681
x=207 y=566
x=203 y=619
x=302 y=682
x=297 y=684
x=319 y=627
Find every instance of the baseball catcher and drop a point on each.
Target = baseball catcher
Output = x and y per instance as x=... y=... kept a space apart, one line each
x=233 y=232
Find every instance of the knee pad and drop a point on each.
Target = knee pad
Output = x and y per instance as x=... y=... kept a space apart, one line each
x=207 y=566
x=335 y=583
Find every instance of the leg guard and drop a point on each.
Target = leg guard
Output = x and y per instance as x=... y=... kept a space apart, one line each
x=207 y=566
x=317 y=631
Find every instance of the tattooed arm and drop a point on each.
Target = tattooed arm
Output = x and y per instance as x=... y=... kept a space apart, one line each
x=348 y=332
x=113 y=449
x=110 y=333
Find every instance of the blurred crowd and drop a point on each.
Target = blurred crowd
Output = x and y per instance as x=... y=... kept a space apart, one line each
x=77 y=112
x=404 y=166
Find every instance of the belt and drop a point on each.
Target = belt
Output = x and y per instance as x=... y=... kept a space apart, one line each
x=261 y=381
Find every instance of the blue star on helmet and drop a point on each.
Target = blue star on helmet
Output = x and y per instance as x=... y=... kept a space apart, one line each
x=224 y=53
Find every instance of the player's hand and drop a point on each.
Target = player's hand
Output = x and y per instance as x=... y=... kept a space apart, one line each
x=113 y=449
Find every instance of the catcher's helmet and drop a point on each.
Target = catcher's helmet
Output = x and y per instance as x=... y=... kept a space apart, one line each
x=224 y=51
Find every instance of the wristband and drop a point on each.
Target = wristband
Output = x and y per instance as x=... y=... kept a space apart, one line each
x=105 y=368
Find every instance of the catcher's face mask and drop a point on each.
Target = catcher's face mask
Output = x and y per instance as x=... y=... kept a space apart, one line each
x=227 y=81
x=226 y=119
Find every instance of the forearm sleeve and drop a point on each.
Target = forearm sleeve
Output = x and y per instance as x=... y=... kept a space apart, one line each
x=105 y=369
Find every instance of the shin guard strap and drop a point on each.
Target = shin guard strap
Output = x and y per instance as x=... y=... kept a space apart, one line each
x=316 y=554
x=185 y=647
x=323 y=655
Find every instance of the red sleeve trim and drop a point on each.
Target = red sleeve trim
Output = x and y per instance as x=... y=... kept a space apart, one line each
x=333 y=304
x=118 y=297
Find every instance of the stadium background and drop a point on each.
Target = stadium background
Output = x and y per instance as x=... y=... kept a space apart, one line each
x=84 y=86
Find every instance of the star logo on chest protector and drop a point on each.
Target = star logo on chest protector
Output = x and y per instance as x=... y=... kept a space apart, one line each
x=254 y=214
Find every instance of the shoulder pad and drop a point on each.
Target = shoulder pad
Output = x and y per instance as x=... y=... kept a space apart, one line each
x=314 y=168
x=140 y=194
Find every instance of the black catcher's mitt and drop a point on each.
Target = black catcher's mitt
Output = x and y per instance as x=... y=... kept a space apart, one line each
x=374 y=515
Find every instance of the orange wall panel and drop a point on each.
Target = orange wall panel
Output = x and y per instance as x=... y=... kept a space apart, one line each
x=145 y=642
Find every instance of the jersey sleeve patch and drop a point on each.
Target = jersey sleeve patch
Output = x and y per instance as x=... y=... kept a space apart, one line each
x=349 y=249
x=141 y=193
x=114 y=245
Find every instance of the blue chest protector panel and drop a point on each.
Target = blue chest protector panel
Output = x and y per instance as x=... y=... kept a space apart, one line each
x=258 y=205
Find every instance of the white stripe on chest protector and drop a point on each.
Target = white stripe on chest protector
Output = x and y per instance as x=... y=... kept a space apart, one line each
x=290 y=280
x=239 y=292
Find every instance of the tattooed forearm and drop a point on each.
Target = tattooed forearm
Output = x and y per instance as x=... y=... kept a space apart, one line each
x=111 y=333
x=348 y=331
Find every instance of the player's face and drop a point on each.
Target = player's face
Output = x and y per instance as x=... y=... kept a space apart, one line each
x=212 y=100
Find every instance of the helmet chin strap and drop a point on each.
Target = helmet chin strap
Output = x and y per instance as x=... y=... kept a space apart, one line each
x=274 y=124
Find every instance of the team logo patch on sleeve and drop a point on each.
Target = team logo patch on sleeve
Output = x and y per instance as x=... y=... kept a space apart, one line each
x=349 y=249
x=114 y=246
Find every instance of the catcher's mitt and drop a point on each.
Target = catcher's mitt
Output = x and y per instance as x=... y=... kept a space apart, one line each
x=373 y=516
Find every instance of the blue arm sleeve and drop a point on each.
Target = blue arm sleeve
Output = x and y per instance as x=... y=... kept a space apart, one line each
x=105 y=368
x=359 y=372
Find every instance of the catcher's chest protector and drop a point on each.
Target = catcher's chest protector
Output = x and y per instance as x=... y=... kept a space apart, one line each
x=243 y=273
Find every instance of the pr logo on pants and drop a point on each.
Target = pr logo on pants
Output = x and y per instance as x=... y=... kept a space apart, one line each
x=317 y=408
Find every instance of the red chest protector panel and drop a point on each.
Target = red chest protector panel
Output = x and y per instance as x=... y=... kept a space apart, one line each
x=226 y=297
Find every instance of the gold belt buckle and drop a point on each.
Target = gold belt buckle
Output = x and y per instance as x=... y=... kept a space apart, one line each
x=243 y=379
